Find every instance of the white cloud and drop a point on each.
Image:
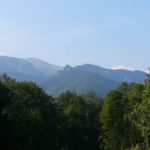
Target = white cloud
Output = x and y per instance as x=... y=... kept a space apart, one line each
x=2 y=54
x=120 y=67
x=147 y=70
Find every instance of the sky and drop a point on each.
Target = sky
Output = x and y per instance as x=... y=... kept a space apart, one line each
x=108 y=33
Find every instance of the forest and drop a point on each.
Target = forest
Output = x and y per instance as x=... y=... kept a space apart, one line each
x=32 y=120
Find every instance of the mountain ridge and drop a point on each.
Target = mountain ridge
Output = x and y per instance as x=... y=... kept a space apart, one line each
x=23 y=69
x=92 y=78
x=55 y=79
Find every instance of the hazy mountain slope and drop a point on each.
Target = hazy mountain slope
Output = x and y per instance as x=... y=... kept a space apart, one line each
x=90 y=78
x=56 y=79
x=79 y=81
x=119 y=75
x=21 y=69
x=45 y=67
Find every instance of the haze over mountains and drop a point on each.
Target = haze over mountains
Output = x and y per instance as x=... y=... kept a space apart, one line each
x=30 y=69
x=55 y=79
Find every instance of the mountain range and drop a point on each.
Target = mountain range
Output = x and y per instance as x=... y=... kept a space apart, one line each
x=30 y=69
x=55 y=79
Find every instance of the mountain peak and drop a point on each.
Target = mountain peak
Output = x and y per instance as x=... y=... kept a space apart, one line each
x=83 y=78
x=67 y=68
x=37 y=61
x=45 y=67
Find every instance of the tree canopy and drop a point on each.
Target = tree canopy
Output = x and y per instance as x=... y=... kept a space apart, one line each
x=32 y=120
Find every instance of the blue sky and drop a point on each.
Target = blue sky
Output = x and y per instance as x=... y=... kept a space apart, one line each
x=108 y=33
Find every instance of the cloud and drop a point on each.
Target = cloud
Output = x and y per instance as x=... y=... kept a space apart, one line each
x=147 y=70
x=120 y=67
x=2 y=54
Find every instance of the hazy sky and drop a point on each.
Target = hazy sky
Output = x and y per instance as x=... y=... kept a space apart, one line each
x=108 y=33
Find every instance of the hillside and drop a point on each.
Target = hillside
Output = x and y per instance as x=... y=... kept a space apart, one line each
x=55 y=79
x=90 y=78
x=27 y=69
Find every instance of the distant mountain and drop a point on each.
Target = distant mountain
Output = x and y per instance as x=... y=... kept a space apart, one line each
x=90 y=78
x=27 y=69
x=44 y=67
x=55 y=79
x=118 y=75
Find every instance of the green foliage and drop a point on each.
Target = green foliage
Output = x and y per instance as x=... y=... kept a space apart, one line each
x=32 y=120
x=135 y=148
x=28 y=116
x=112 y=119
x=140 y=114
x=80 y=124
x=119 y=132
